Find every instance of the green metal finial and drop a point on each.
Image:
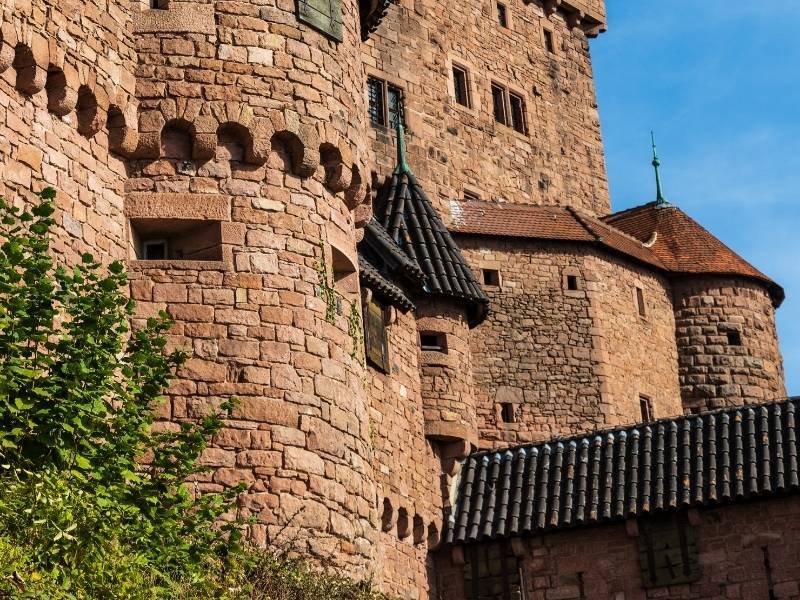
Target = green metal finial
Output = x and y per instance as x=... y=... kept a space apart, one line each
x=402 y=161
x=656 y=165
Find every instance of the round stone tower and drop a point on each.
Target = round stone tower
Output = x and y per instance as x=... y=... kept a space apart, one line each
x=239 y=212
x=727 y=342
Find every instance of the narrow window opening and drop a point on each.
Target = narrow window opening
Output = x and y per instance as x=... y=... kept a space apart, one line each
x=646 y=408
x=491 y=277
x=386 y=103
x=158 y=4
x=177 y=239
x=734 y=338
x=549 y=42
x=499 y=104
x=572 y=283
x=468 y=195
x=386 y=515
x=640 y=302
x=768 y=572
x=502 y=15
x=461 y=86
x=508 y=412
x=433 y=342
x=518 y=121
x=418 y=530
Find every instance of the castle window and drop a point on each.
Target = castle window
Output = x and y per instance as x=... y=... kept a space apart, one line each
x=461 y=86
x=158 y=4
x=549 y=41
x=572 y=283
x=640 y=304
x=177 y=239
x=492 y=572
x=432 y=342
x=734 y=338
x=646 y=408
x=386 y=104
x=502 y=15
x=508 y=412
x=468 y=195
x=376 y=337
x=491 y=277
x=509 y=108
x=667 y=551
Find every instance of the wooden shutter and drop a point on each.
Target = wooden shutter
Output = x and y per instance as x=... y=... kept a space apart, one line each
x=375 y=336
x=323 y=15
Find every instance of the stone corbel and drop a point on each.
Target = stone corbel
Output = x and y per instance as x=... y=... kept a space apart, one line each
x=205 y=138
x=574 y=19
x=300 y=140
x=551 y=6
x=8 y=42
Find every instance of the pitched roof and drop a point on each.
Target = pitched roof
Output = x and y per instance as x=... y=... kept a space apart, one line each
x=683 y=245
x=372 y=278
x=719 y=457
x=408 y=216
x=547 y=223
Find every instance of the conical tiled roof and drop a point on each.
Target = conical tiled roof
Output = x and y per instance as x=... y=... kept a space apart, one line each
x=408 y=216
x=684 y=246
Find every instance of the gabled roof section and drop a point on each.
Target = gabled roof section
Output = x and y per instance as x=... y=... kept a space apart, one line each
x=408 y=216
x=545 y=223
x=721 y=457
x=684 y=246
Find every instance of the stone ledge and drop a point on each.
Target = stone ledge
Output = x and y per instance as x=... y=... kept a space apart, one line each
x=212 y=207
x=177 y=265
x=179 y=18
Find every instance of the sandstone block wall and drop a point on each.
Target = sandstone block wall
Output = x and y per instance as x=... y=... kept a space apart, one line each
x=715 y=370
x=407 y=467
x=567 y=360
x=447 y=386
x=242 y=104
x=453 y=148
x=67 y=112
x=745 y=551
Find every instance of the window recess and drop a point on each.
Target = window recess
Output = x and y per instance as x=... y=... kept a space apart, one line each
x=386 y=103
x=461 y=86
x=177 y=239
x=509 y=109
x=432 y=341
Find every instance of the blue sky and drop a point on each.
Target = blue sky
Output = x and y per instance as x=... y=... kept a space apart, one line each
x=719 y=82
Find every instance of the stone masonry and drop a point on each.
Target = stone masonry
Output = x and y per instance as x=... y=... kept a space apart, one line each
x=226 y=151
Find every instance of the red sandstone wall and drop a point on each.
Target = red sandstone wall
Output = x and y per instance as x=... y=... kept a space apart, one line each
x=64 y=68
x=569 y=361
x=453 y=148
x=602 y=563
x=714 y=373
x=636 y=354
x=253 y=119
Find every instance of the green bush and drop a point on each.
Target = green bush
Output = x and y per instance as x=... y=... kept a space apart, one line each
x=81 y=515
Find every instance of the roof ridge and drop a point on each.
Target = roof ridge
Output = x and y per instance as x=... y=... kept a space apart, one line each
x=635 y=208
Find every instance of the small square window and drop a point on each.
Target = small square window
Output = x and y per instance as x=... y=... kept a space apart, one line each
x=508 y=412
x=734 y=338
x=502 y=15
x=646 y=408
x=491 y=277
x=640 y=304
x=433 y=342
x=572 y=283
x=549 y=41
x=176 y=239
x=499 y=104
x=158 y=4
x=461 y=86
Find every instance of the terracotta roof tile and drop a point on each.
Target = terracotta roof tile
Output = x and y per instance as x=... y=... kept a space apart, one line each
x=547 y=223
x=683 y=245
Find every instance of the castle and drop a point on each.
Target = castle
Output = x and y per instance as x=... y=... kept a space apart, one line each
x=385 y=228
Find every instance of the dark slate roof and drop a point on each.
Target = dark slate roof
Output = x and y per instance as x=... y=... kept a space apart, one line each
x=378 y=239
x=410 y=219
x=383 y=288
x=372 y=13
x=720 y=457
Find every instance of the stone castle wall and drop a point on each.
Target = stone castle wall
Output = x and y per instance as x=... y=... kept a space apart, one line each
x=67 y=113
x=717 y=370
x=568 y=360
x=453 y=148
